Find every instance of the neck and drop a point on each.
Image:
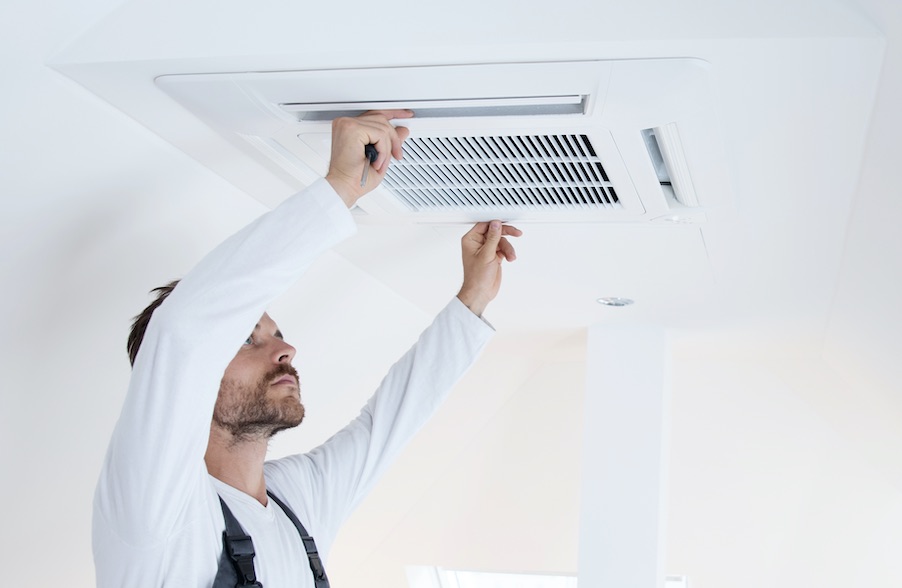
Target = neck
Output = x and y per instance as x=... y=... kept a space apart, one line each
x=238 y=463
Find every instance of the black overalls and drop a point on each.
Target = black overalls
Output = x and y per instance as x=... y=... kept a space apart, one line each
x=236 y=564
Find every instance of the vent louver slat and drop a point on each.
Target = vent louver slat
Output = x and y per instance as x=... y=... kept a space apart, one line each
x=537 y=172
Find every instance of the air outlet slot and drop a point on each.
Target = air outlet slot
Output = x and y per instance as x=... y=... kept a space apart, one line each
x=462 y=108
x=665 y=149
x=533 y=172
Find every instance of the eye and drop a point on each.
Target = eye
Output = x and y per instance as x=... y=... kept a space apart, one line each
x=249 y=340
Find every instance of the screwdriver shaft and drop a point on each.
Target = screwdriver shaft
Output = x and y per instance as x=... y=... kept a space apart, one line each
x=371 y=155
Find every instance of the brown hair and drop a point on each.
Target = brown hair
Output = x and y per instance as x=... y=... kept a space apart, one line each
x=139 y=326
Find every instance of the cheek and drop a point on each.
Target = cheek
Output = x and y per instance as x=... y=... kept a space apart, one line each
x=229 y=392
x=240 y=373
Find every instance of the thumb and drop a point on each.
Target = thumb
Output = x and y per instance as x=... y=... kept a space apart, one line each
x=492 y=238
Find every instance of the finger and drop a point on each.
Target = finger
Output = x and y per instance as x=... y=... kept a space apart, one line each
x=382 y=136
x=389 y=114
x=388 y=144
x=397 y=150
x=506 y=249
x=380 y=119
x=492 y=239
x=511 y=231
x=477 y=233
x=383 y=147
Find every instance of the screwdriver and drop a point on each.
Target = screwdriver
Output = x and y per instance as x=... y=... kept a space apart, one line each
x=371 y=155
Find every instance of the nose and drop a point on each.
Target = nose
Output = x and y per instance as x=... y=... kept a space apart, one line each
x=283 y=352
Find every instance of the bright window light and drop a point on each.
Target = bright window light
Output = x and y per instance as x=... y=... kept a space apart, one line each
x=435 y=577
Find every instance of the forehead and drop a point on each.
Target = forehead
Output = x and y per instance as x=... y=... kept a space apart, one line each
x=267 y=324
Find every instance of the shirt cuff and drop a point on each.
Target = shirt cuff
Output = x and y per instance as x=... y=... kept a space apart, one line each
x=468 y=315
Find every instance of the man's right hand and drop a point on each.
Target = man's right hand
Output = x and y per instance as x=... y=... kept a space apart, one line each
x=350 y=136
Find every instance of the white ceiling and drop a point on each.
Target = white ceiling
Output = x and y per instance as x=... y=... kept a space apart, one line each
x=786 y=411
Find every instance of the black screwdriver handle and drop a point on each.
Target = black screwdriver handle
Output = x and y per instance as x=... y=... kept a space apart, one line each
x=371 y=153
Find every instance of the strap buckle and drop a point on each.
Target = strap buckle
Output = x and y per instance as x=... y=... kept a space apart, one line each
x=240 y=547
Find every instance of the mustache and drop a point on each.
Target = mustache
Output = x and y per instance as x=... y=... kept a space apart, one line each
x=283 y=369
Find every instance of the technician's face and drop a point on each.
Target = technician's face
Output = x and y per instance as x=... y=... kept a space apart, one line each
x=260 y=392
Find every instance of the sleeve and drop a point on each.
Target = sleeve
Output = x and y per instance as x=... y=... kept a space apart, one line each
x=155 y=457
x=336 y=476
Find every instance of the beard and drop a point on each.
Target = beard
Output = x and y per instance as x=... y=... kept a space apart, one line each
x=248 y=414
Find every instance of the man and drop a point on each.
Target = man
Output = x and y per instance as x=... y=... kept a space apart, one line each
x=197 y=417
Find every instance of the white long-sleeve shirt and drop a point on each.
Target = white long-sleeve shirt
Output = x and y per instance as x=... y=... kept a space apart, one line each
x=157 y=519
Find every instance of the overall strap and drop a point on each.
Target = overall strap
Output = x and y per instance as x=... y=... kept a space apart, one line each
x=239 y=548
x=316 y=564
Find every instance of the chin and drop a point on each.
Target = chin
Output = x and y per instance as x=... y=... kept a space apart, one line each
x=292 y=412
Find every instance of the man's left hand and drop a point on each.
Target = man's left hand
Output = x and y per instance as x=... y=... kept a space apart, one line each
x=484 y=248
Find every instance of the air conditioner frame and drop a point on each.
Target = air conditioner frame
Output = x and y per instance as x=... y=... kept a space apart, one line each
x=612 y=102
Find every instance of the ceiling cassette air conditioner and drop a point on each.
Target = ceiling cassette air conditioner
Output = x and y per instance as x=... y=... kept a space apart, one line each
x=580 y=141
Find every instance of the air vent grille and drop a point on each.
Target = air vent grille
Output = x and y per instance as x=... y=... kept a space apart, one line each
x=550 y=172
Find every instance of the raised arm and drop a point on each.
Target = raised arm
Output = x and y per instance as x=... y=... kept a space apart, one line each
x=327 y=483
x=155 y=458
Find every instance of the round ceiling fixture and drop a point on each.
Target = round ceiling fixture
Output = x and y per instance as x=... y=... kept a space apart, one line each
x=614 y=301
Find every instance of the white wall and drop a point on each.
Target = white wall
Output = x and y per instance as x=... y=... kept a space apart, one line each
x=504 y=498
x=777 y=491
